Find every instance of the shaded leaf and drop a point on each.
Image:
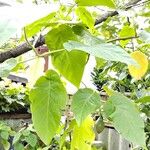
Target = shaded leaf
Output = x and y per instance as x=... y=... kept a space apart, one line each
x=73 y=62
x=47 y=97
x=85 y=101
x=85 y=36
x=126 y=119
x=31 y=139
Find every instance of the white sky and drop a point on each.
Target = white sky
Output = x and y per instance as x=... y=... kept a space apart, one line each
x=22 y=14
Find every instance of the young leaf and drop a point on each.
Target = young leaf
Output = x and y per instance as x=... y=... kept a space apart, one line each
x=47 y=98
x=145 y=99
x=126 y=32
x=105 y=50
x=35 y=27
x=138 y=71
x=108 y=3
x=126 y=119
x=7 y=66
x=83 y=135
x=73 y=62
x=84 y=102
x=85 y=16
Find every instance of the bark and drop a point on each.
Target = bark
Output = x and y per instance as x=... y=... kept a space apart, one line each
x=23 y=48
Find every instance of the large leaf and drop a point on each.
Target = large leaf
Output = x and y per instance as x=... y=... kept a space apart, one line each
x=7 y=30
x=85 y=16
x=47 y=98
x=35 y=27
x=7 y=66
x=105 y=50
x=145 y=36
x=85 y=101
x=69 y=64
x=126 y=119
x=83 y=135
x=108 y=3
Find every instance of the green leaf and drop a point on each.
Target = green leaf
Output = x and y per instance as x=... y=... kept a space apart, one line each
x=4 y=135
x=47 y=97
x=108 y=3
x=145 y=36
x=7 y=66
x=35 y=27
x=109 y=109
x=73 y=62
x=85 y=101
x=85 y=16
x=6 y=144
x=57 y=36
x=106 y=51
x=126 y=119
x=85 y=36
x=31 y=139
x=127 y=31
x=99 y=125
x=145 y=99
x=7 y=30
x=18 y=146
x=17 y=137
x=145 y=14
x=100 y=62
x=73 y=65
x=83 y=135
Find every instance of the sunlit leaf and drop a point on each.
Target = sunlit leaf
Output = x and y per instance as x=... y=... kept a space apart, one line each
x=145 y=99
x=108 y=3
x=127 y=31
x=35 y=27
x=138 y=71
x=83 y=135
x=47 y=97
x=85 y=16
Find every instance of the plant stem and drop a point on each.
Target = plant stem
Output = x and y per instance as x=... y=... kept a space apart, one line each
x=123 y=38
x=25 y=35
